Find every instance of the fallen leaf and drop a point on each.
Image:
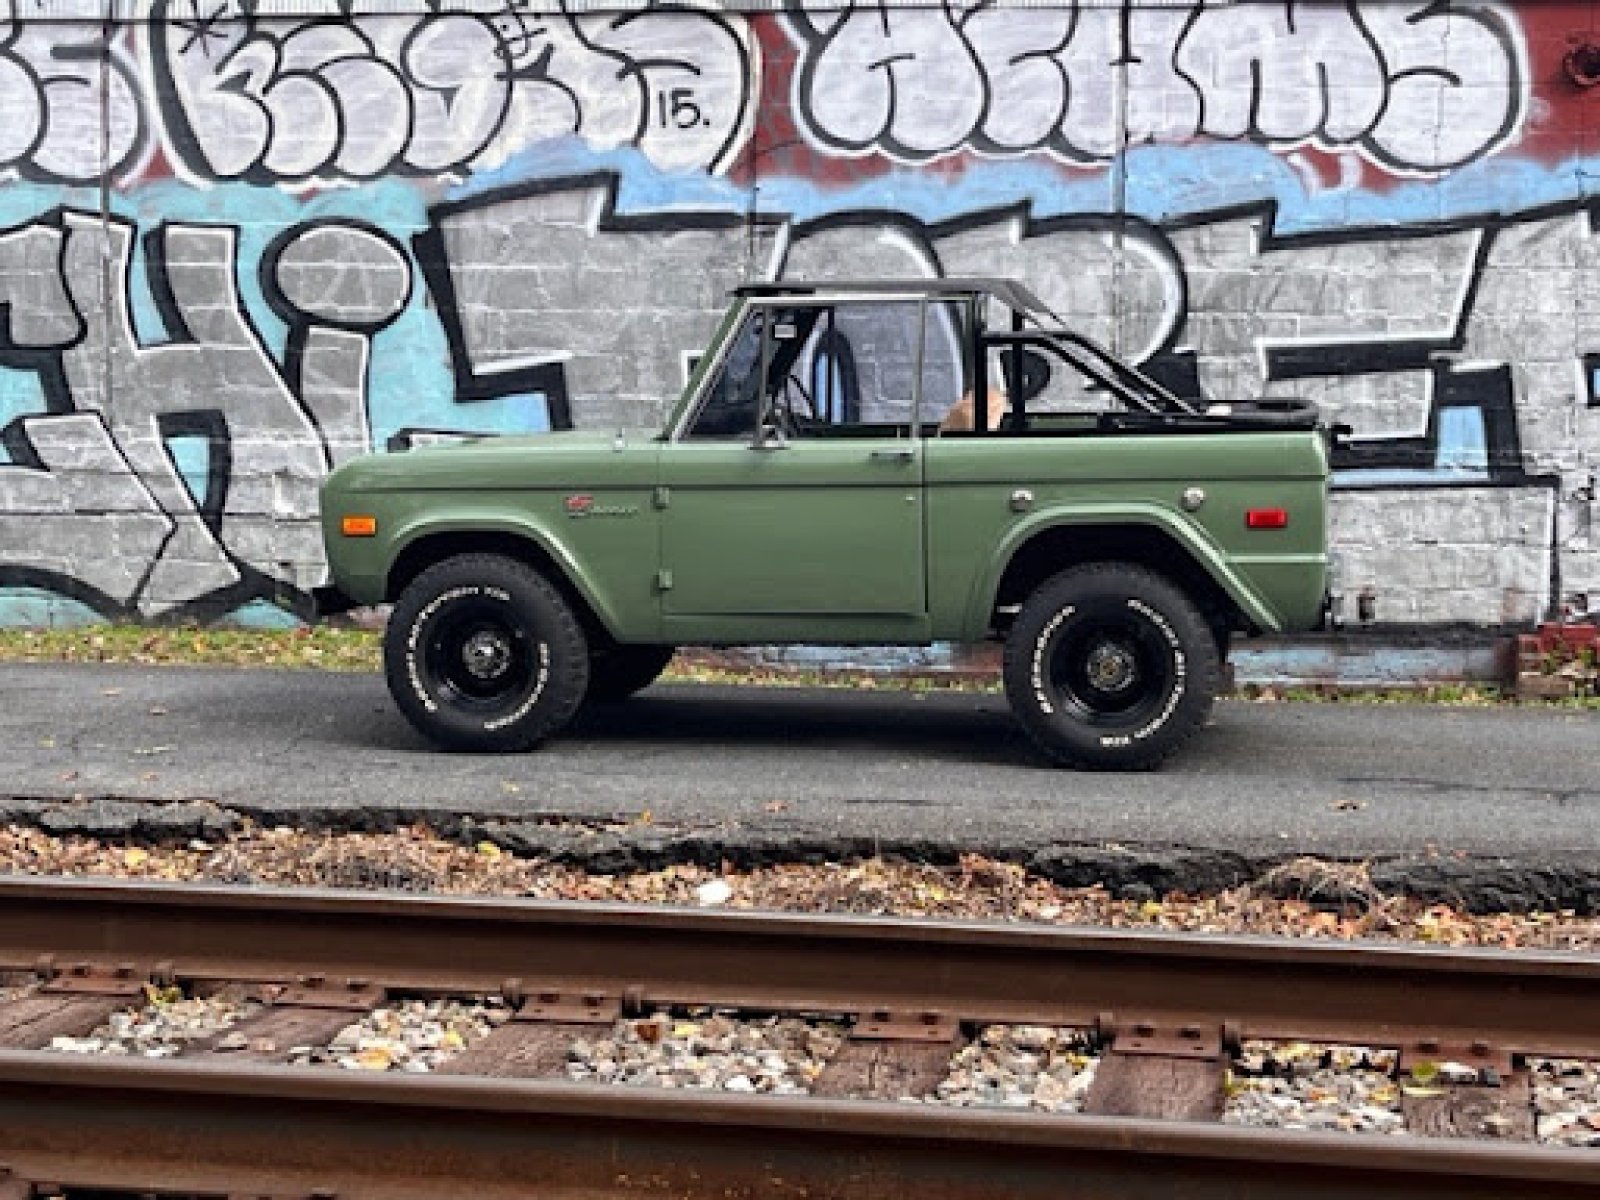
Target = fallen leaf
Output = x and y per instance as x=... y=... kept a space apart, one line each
x=1424 y=1072
x=648 y=1030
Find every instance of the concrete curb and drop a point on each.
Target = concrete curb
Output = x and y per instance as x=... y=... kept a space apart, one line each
x=1135 y=872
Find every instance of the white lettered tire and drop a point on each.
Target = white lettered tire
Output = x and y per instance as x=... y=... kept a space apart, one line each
x=1111 y=666
x=482 y=653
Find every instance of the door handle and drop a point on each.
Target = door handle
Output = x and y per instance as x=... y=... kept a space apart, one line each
x=903 y=455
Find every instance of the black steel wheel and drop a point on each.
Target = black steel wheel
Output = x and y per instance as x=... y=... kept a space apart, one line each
x=482 y=653
x=617 y=672
x=1111 y=666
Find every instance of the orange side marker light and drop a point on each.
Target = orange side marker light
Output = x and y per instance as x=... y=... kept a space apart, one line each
x=359 y=526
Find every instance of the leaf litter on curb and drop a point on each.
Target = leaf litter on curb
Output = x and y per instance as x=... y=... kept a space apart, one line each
x=1301 y=898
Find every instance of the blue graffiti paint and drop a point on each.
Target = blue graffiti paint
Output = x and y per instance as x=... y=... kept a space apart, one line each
x=409 y=382
x=1162 y=184
x=192 y=457
x=1463 y=441
x=262 y=614
x=1462 y=457
x=41 y=609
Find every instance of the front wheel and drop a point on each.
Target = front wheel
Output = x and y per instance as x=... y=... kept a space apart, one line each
x=482 y=653
x=1110 y=666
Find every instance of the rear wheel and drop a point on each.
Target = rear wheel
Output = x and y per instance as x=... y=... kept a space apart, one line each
x=1111 y=666
x=482 y=653
x=620 y=671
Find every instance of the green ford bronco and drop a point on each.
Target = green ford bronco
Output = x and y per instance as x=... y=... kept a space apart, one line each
x=888 y=463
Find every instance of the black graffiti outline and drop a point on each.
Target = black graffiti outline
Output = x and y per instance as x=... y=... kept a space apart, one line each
x=1518 y=84
x=7 y=41
x=1253 y=133
x=45 y=362
x=186 y=142
x=546 y=378
x=252 y=585
x=730 y=144
x=1450 y=385
x=1150 y=235
x=301 y=324
x=208 y=424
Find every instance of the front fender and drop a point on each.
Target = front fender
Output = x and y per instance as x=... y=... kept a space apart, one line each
x=1193 y=540
x=527 y=529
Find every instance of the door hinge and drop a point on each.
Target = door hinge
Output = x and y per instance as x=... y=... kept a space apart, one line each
x=661 y=498
x=663 y=581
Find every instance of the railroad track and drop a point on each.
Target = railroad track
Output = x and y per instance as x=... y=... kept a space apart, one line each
x=499 y=1120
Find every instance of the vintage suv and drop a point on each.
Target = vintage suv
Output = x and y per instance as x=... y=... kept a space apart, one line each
x=887 y=463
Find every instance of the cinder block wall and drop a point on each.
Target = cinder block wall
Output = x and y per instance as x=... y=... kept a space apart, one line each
x=240 y=243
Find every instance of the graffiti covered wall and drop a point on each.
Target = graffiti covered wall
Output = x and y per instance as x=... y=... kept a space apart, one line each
x=241 y=242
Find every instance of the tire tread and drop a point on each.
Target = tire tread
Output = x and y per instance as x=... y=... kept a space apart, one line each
x=1203 y=666
x=569 y=676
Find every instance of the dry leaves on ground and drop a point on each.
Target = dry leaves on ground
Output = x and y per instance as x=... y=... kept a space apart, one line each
x=1304 y=898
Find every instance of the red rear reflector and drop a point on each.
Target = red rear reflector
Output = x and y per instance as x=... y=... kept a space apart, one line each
x=1267 y=518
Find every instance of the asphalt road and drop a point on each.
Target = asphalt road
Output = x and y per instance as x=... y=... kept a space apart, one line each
x=946 y=769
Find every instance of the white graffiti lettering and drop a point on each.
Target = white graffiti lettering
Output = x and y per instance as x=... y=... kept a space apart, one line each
x=70 y=102
x=1419 y=87
x=297 y=101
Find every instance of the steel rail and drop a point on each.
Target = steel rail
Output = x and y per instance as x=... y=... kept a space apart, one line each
x=1372 y=994
x=1369 y=994
x=1532 y=1004
x=164 y=1126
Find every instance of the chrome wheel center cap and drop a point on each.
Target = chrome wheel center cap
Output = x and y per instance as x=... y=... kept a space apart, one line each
x=1111 y=668
x=486 y=655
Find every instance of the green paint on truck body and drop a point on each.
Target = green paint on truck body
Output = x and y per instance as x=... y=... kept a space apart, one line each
x=841 y=531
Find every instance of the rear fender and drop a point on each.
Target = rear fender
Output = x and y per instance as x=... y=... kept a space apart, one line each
x=1194 y=542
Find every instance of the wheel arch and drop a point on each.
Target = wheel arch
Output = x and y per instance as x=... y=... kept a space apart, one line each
x=1151 y=540
x=425 y=547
